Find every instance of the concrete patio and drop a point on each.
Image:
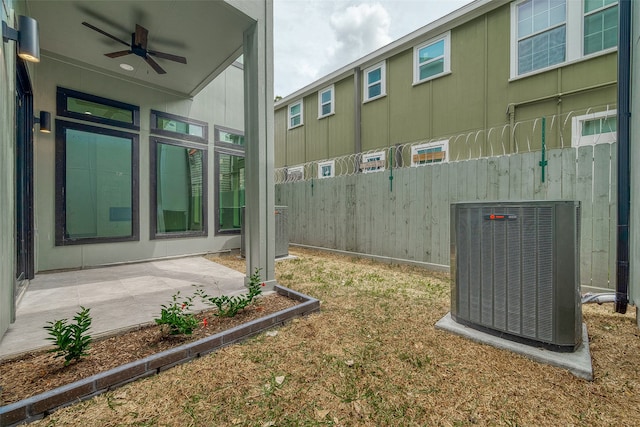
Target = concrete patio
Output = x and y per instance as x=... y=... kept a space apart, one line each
x=120 y=297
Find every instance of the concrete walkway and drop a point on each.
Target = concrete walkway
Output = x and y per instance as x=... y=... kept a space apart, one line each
x=120 y=297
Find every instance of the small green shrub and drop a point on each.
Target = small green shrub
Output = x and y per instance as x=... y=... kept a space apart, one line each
x=71 y=340
x=230 y=306
x=176 y=316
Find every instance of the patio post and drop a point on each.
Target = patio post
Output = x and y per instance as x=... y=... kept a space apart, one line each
x=259 y=183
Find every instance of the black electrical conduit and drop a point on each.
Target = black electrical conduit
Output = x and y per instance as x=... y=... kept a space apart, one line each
x=624 y=191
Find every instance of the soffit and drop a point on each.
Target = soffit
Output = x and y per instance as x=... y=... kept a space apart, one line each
x=209 y=34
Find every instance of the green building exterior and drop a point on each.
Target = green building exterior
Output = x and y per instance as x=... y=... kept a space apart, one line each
x=463 y=86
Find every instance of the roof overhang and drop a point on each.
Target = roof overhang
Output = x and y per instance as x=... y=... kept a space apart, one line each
x=209 y=34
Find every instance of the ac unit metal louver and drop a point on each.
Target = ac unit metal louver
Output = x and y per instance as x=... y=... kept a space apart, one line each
x=515 y=271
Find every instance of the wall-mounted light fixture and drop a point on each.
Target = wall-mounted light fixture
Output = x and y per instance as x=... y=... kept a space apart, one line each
x=26 y=35
x=44 y=120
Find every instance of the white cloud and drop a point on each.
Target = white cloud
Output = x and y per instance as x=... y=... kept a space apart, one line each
x=358 y=30
x=315 y=37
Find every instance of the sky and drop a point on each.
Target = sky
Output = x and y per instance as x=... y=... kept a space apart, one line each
x=313 y=38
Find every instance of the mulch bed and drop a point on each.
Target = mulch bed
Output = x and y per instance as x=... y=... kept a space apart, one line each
x=34 y=373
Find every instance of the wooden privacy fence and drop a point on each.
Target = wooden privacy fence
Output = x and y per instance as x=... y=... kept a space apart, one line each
x=407 y=217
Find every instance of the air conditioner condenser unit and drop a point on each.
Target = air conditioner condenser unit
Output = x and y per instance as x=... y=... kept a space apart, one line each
x=515 y=270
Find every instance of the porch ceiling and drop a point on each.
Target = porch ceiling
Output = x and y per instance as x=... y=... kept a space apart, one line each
x=208 y=33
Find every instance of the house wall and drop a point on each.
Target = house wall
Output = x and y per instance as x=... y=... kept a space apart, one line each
x=474 y=97
x=7 y=153
x=221 y=103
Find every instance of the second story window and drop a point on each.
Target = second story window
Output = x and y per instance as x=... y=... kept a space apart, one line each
x=600 y=25
x=374 y=82
x=546 y=34
x=295 y=115
x=541 y=26
x=325 y=102
x=431 y=59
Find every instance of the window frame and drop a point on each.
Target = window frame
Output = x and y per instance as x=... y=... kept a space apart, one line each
x=441 y=143
x=223 y=147
x=577 y=123
x=297 y=169
x=62 y=94
x=155 y=130
x=383 y=81
x=379 y=167
x=331 y=163
x=60 y=184
x=446 y=37
x=331 y=90
x=574 y=40
x=593 y=12
x=301 y=114
x=153 y=190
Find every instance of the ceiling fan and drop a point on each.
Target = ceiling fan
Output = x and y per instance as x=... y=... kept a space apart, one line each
x=138 y=46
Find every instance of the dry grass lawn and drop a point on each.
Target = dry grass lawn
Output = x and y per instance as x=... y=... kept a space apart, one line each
x=372 y=357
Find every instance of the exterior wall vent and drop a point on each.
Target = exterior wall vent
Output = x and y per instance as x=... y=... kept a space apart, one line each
x=515 y=270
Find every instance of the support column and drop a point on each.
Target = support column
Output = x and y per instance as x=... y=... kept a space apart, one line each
x=259 y=155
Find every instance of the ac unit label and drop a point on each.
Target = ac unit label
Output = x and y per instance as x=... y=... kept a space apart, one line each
x=501 y=217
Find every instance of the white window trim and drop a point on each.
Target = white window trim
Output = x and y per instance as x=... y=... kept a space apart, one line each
x=442 y=143
x=295 y=169
x=574 y=40
x=383 y=81
x=332 y=111
x=367 y=156
x=289 y=116
x=577 y=140
x=447 y=58
x=331 y=163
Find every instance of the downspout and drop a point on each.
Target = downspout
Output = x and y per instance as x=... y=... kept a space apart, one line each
x=624 y=191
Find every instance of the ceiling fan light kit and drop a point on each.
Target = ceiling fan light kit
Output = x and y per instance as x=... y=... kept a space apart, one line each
x=138 y=46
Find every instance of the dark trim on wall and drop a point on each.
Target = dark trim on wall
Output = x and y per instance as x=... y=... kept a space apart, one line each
x=153 y=126
x=61 y=238
x=153 y=194
x=61 y=106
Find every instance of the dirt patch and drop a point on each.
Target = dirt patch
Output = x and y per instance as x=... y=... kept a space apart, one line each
x=372 y=357
x=37 y=372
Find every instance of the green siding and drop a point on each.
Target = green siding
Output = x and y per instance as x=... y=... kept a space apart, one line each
x=462 y=106
x=341 y=131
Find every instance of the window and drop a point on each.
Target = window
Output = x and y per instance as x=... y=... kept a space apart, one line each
x=325 y=102
x=325 y=169
x=595 y=128
x=431 y=59
x=82 y=106
x=600 y=25
x=179 y=127
x=295 y=173
x=229 y=180
x=96 y=184
x=374 y=82
x=432 y=152
x=295 y=115
x=373 y=162
x=549 y=33
x=541 y=34
x=178 y=188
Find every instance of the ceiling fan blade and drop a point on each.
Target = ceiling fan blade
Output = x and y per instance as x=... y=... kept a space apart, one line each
x=142 y=34
x=155 y=65
x=118 y=54
x=170 y=57
x=86 y=24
